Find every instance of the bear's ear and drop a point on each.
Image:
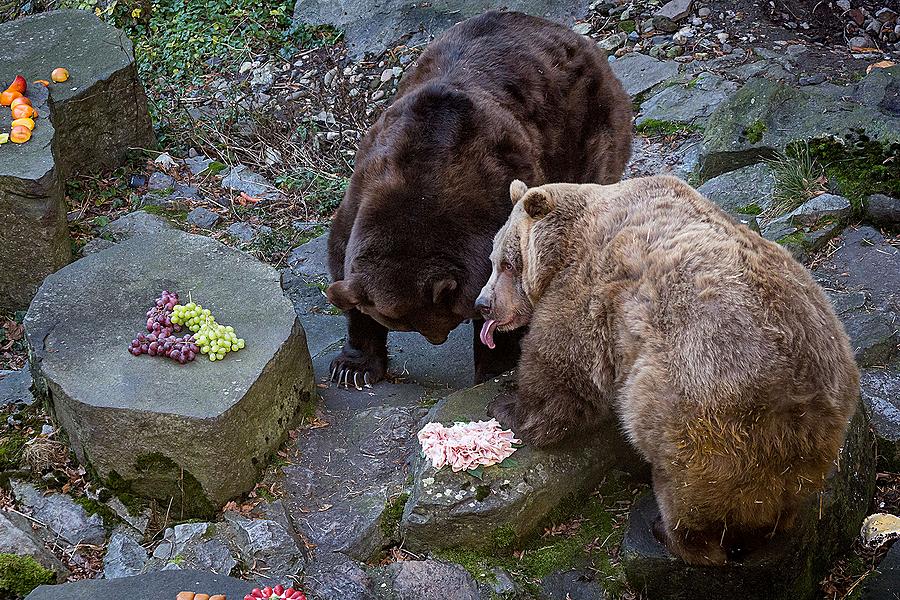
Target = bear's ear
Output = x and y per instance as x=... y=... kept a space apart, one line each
x=344 y=294
x=441 y=288
x=538 y=203
x=517 y=189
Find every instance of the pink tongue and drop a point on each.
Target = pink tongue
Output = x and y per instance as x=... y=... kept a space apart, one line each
x=487 y=333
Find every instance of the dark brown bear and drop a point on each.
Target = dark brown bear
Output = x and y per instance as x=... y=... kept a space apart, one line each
x=497 y=97
x=721 y=357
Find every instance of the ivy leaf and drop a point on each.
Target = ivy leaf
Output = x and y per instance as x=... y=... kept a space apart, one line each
x=508 y=463
x=477 y=473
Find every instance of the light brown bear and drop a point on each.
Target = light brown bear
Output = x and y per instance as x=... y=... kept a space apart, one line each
x=720 y=356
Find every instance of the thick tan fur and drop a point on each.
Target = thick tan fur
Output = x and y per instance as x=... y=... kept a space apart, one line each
x=721 y=357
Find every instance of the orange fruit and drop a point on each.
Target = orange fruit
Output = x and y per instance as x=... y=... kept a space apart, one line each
x=8 y=96
x=43 y=82
x=18 y=101
x=20 y=134
x=21 y=111
x=18 y=84
x=59 y=75
x=25 y=122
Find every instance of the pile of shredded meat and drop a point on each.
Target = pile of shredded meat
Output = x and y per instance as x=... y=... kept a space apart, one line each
x=465 y=446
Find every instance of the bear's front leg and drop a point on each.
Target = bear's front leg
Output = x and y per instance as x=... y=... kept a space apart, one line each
x=504 y=357
x=363 y=359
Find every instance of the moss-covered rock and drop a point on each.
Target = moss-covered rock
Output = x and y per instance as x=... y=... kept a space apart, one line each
x=21 y=574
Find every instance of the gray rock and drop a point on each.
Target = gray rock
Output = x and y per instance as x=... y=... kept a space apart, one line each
x=363 y=447
x=874 y=337
x=789 y=565
x=690 y=103
x=198 y=164
x=62 y=517
x=152 y=586
x=611 y=42
x=882 y=210
x=15 y=387
x=824 y=206
x=883 y=584
x=242 y=179
x=371 y=27
x=245 y=232
x=881 y=395
x=571 y=585
x=135 y=223
x=160 y=181
x=310 y=259
x=17 y=537
x=639 y=72
x=34 y=239
x=165 y=450
x=335 y=577
x=661 y=23
x=261 y=79
x=124 y=557
x=814 y=79
x=451 y=510
x=199 y=546
x=675 y=9
x=203 y=218
x=747 y=190
x=138 y=523
x=765 y=116
x=268 y=545
x=432 y=580
x=185 y=193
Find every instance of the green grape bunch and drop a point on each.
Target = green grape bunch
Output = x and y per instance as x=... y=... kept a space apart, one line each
x=214 y=340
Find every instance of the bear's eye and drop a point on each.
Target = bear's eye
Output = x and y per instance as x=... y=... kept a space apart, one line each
x=506 y=266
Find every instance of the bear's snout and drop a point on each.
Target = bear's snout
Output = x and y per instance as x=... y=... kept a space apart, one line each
x=483 y=304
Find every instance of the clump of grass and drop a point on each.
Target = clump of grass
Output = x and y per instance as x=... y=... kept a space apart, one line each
x=798 y=177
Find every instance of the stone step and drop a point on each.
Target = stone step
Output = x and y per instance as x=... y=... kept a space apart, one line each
x=164 y=585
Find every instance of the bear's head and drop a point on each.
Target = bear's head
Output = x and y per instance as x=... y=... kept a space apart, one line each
x=520 y=261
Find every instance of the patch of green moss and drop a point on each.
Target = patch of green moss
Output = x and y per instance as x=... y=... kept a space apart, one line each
x=793 y=239
x=750 y=209
x=393 y=511
x=860 y=166
x=21 y=574
x=653 y=127
x=627 y=26
x=754 y=132
x=11 y=447
x=122 y=490
x=109 y=516
x=592 y=543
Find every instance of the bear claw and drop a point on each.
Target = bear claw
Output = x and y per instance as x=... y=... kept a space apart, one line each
x=354 y=371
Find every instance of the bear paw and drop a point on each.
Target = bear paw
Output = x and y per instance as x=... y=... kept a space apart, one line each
x=503 y=408
x=356 y=368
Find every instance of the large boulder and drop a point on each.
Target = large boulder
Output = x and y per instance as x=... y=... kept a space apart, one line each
x=790 y=565
x=448 y=510
x=764 y=117
x=86 y=125
x=688 y=103
x=371 y=26
x=199 y=433
x=17 y=537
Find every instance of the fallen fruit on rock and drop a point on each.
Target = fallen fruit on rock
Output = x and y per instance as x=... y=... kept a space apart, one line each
x=217 y=597
x=18 y=85
x=4 y=137
x=201 y=597
x=23 y=111
x=43 y=82
x=20 y=100
x=8 y=96
x=24 y=122
x=185 y=596
x=59 y=75
x=20 y=134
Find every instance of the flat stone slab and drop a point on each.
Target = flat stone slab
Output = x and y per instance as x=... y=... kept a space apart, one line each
x=15 y=387
x=199 y=433
x=448 y=510
x=97 y=115
x=164 y=585
x=17 y=537
x=881 y=395
x=689 y=103
x=883 y=584
x=764 y=116
x=789 y=566
x=369 y=27
x=639 y=72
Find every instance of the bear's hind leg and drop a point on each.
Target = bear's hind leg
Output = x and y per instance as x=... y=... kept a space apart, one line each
x=363 y=359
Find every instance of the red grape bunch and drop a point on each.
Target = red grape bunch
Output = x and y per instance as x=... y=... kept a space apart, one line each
x=160 y=341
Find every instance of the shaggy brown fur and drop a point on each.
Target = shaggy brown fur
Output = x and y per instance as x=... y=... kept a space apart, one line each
x=719 y=354
x=497 y=97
